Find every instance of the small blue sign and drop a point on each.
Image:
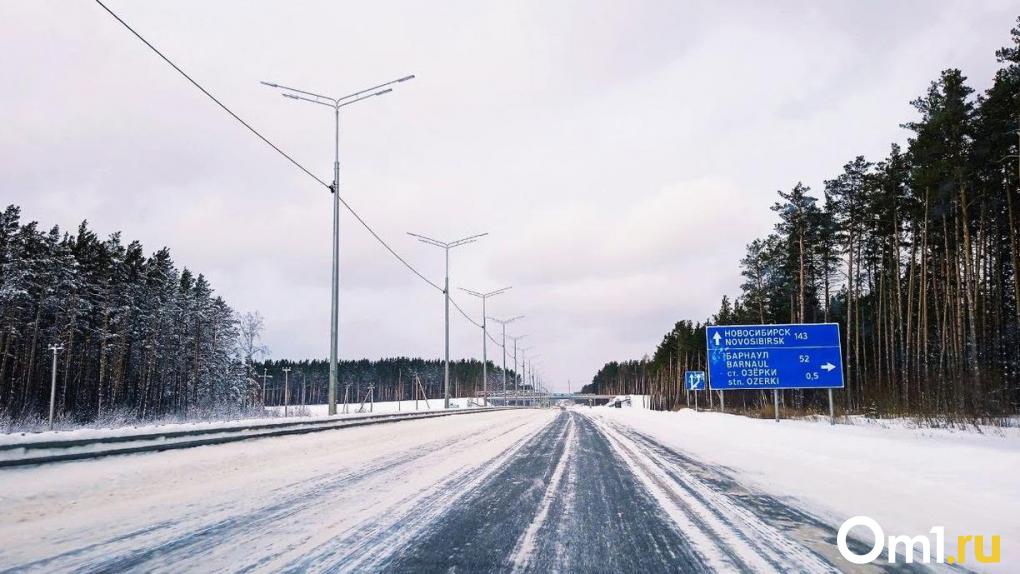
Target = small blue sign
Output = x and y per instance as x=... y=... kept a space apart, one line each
x=798 y=356
x=694 y=380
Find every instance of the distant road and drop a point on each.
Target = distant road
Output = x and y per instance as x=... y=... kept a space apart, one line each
x=526 y=491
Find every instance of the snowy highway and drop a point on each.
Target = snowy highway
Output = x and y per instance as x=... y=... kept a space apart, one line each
x=521 y=490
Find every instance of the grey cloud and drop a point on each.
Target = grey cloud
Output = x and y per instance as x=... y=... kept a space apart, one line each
x=602 y=144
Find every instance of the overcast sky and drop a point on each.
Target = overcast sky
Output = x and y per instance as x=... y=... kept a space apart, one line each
x=620 y=154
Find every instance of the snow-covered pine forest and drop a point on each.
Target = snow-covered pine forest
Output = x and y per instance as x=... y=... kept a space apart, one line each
x=143 y=339
x=391 y=379
x=916 y=255
x=140 y=337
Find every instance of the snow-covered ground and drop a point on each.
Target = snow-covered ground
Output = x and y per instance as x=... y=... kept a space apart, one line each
x=535 y=490
x=908 y=479
x=261 y=504
x=386 y=407
x=298 y=413
x=630 y=401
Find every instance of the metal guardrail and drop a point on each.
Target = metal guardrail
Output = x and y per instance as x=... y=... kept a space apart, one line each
x=518 y=395
x=199 y=437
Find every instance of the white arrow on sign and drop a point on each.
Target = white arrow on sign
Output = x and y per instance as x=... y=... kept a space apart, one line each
x=828 y=366
x=716 y=338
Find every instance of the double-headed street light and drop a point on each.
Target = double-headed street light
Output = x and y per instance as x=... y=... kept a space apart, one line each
x=336 y=104
x=534 y=382
x=517 y=385
x=524 y=366
x=446 y=292
x=485 y=335
x=504 y=323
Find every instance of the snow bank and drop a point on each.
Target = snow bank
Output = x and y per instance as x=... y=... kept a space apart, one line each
x=907 y=479
x=630 y=401
x=253 y=505
x=387 y=406
x=274 y=415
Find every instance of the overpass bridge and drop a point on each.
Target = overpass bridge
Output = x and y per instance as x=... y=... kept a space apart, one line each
x=536 y=398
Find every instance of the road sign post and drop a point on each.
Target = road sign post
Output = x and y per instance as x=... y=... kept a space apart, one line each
x=695 y=381
x=53 y=382
x=775 y=357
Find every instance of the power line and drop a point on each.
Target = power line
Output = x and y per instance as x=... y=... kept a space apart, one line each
x=346 y=205
x=489 y=335
x=473 y=322
x=211 y=97
x=387 y=246
x=462 y=312
x=269 y=143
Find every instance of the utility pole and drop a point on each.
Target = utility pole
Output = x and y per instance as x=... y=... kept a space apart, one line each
x=504 y=323
x=335 y=104
x=286 y=391
x=265 y=375
x=447 y=246
x=485 y=336
x=53 y=381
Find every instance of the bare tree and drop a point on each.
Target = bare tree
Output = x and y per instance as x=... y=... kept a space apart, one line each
x=249 y=342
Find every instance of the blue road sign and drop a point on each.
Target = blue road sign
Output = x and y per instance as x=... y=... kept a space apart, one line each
x=803 y=356
x=694 y=380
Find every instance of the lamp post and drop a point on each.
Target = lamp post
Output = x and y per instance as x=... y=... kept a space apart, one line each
x=524 y=362
x=528 y=371
x=335 y=104
x=485 y=335
x=504 y=323
x=517 y=374
x=447 y=246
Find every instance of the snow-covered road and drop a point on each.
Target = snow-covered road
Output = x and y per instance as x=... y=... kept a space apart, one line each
x=526 y=491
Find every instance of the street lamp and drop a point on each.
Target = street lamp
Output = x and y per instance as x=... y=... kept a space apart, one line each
x=336 y=104
x=525 y=364
x=504 y=323
x=446 y=293
x=534 y=383
x=485 y=335
x=517 y=385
